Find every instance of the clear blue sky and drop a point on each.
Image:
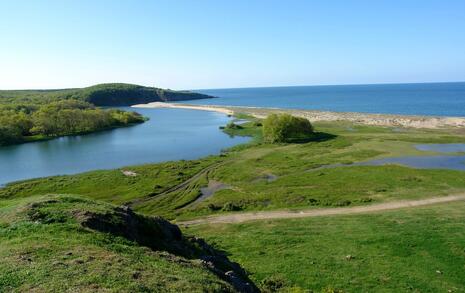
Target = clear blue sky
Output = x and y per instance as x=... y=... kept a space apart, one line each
x=241 y=43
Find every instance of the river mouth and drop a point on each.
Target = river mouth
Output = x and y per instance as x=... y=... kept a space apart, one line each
x=169 y=135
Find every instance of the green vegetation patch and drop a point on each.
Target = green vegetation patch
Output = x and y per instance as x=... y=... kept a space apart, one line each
x=286 y=128
x=413 y=250
x=63 y=243
x=116 y=186
x=37 y=121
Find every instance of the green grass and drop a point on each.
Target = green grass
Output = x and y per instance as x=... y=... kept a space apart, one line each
x=335 y=187
x=57 y=254
x=112 y=185
x=301 y=184
x=412 y=250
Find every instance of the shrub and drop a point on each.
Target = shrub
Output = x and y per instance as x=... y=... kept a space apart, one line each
x=213 y=207
x=286 y=128
x=232 y=125
x=231 y=207
x=273 y=284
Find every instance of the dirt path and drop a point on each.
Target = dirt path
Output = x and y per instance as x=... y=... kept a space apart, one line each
x=251 y=216
x=178 y=187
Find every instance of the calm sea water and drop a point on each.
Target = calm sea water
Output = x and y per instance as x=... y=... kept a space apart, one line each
x=441 y=99
x=171 y=134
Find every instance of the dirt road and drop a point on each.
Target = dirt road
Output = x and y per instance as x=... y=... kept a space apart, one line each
x=251 y=216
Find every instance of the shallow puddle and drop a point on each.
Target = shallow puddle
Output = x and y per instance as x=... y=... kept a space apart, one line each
x=450 y=162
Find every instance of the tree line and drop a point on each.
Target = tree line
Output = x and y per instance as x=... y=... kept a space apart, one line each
x=32 y=120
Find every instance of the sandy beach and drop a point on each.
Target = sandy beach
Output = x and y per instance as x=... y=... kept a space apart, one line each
x=224 y=110
x=413 y=121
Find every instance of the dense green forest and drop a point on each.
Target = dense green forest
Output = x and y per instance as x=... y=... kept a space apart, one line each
x=110 y=94
x=28 y=115
x=27 y=122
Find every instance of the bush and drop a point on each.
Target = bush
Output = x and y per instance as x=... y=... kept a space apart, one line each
x=286 y=128
x=213 y=207
x=232 y=125
x=231 y=207
x=273 y=284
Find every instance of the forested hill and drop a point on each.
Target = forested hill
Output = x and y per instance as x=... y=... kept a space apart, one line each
x=118 y=94
x=110 y=94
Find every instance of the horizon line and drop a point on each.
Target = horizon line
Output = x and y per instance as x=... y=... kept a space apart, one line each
x=245 y=87
x=329 y=84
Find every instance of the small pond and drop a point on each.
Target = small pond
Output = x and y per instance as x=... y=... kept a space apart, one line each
x=451 y=162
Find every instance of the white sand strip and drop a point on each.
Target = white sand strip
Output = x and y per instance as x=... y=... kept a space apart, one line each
x=413 y=121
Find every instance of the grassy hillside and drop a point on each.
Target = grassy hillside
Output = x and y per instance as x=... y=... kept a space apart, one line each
x=69 y=244
x=412 y=250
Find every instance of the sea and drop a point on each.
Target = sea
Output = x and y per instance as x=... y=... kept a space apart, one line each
x=432 y=99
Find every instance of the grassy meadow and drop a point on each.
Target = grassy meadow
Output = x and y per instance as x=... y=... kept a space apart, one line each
x=45 y=248
x=410 y=250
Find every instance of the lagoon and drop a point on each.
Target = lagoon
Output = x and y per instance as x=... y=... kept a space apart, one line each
x=170 y=134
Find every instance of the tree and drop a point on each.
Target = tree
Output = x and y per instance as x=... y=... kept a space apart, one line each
x=27 y=116
x=286 y=128
x=9 y=135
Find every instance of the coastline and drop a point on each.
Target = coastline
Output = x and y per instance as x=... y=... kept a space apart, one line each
x=225 y=110
x=393 y=120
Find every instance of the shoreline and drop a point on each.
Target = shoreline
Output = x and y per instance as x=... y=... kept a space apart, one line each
x=393 y=120
x=224 y=110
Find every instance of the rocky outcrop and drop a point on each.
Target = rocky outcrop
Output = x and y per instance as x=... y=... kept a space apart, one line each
x=154 y=232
